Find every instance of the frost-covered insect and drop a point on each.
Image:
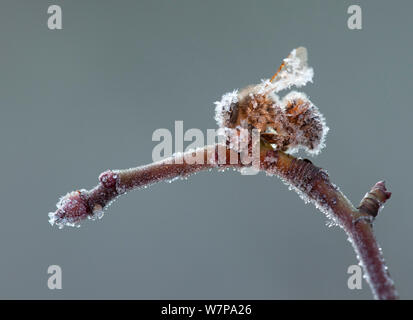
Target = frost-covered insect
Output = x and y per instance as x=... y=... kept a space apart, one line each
x=291 y=123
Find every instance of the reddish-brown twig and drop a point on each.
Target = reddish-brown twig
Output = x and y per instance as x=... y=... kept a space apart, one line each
x=311 y=182
x=314 y=184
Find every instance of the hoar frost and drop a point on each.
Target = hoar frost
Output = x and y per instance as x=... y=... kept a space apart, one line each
x=295 y=72
x=289 y=124
x=223 y=106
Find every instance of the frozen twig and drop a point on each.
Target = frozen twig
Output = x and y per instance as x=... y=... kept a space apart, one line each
x=89 y=204
x=312 y=183
x=287 y=124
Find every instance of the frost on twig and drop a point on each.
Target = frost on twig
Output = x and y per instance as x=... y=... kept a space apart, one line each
x=80 y=205
x=284 y=126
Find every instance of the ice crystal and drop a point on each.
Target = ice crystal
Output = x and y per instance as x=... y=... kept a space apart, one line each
x=295 y=72
x=223 y=107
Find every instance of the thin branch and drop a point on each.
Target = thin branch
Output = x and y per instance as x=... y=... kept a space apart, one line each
x=311 y=182
x=315 y=185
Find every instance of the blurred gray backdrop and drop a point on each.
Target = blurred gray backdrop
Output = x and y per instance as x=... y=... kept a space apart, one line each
x=77 y=101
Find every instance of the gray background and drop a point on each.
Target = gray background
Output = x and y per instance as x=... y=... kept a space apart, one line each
x=87 y=98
